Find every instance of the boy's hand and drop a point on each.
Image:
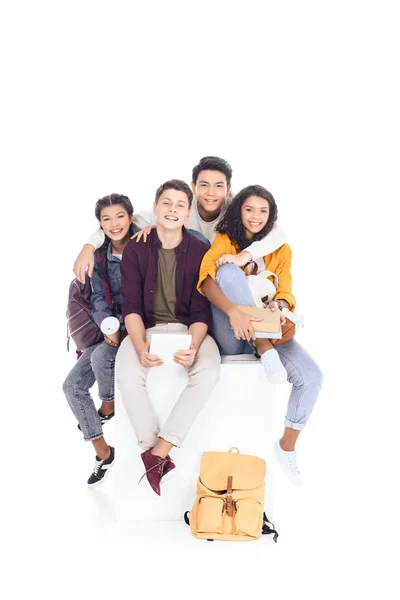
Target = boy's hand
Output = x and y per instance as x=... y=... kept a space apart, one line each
x=185 y=357
x=85 y=259
x=240 y=259
x=143 y=232
x=149 y=360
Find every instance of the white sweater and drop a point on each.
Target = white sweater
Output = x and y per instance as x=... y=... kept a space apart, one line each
x=275 y=239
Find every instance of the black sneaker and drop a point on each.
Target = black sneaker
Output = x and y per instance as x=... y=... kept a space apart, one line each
x=101 y=469
x=103 y=418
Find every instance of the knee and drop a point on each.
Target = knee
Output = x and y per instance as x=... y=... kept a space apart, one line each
x=207 y=376
x=317 y=377
x=68 y=385
x=99 y=357
x=227 y=273
x=313 y=377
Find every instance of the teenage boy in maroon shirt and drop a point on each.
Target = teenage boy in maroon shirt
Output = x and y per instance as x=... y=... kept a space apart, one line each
x=159 y=294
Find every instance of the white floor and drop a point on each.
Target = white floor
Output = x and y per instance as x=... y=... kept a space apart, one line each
x=103 y=97
x=63 y=540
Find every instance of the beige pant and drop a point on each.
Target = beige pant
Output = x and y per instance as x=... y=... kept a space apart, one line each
x=131 y=379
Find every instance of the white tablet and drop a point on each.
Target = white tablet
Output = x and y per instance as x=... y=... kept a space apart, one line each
x=165 y=345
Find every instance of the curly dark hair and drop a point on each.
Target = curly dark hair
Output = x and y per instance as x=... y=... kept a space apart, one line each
x=100 y=204
x=231 y=222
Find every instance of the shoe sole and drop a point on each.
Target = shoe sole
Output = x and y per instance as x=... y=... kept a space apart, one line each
x=170 y=475
x=92 y=486
x=149 y=490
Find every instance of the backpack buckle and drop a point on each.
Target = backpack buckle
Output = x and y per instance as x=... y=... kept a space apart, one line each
x=230 y=504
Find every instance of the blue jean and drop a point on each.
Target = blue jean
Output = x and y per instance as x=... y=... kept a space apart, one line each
x=96 y=364
x=302 y=372
x=200 y=236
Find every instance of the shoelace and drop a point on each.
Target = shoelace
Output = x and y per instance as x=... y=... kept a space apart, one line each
x=293 y=467
x=160 y=466
x=97 y=466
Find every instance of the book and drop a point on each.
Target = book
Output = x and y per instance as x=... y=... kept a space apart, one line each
x=270 y=326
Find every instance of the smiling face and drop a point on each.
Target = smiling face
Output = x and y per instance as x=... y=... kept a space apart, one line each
x=115 y=222
x=255 y=214
x=172 y=209
x=211 y=190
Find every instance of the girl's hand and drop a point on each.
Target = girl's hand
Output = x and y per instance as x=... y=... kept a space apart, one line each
x=113 y=337
x=273 y=306
x=241 y=324
x=143 y=233
x=240 y=259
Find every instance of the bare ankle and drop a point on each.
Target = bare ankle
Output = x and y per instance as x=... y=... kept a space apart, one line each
x=107 y=408
x=262 y=345
x=286 y=446
x=104 y=454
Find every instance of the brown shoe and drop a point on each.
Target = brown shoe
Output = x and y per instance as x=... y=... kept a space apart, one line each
x=155 y=466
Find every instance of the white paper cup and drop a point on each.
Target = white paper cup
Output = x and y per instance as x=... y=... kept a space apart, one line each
x=109 y=325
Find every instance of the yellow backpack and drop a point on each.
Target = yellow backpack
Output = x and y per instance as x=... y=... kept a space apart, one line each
x=229 y=501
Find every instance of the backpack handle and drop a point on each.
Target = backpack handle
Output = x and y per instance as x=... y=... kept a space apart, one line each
x=234 y=448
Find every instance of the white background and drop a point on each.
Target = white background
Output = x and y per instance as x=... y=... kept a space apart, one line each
x=301 y=97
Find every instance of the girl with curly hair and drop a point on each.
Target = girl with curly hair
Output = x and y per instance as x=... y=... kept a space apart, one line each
x=225 y=283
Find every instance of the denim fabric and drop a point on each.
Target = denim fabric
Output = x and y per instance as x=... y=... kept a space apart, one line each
x=232 y=282
x=100 y=309
x=200 y=236
x=95 y=364
x=302 y=372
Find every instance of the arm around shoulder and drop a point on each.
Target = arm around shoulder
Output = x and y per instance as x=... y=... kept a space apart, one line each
x=85 y=258
x=271 y=242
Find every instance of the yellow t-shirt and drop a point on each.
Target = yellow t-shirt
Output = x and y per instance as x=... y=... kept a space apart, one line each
x=279 y=262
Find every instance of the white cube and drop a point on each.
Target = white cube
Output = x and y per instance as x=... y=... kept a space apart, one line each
x=240 y=412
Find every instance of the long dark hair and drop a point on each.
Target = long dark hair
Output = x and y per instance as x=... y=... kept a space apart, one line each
x=100 y=204
x=231 y=222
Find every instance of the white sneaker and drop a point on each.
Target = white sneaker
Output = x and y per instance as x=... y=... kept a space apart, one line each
x=273 y=368
x=288 y=462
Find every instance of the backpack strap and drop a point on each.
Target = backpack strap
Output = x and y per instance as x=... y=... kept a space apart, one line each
x=107 y=291
x=229 y=498
x=106 y=285
x=266 y=529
